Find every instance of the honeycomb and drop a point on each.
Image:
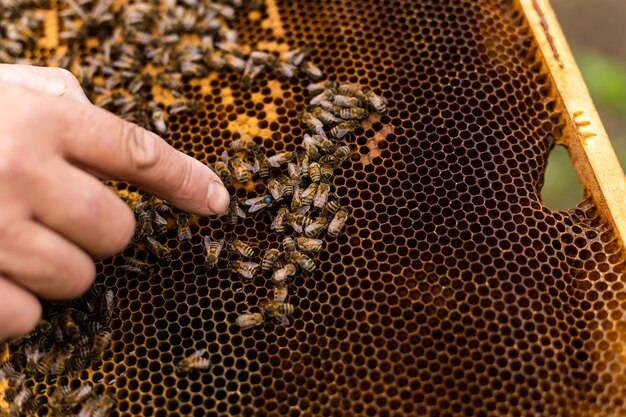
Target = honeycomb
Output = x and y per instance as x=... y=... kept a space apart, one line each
x=454 y=291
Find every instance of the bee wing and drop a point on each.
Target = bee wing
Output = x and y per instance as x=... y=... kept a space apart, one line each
x=131 y=268
x=257 y=207
x=197 y=354
x=274 y=161
x=225 y=157
x=297 y=228
x=241 y=213
x=250 y=168
x=256 y=167
x=220 y=246
x=303 y=210
x=253 y=201
x=158 y=219
x=207 y=241
x=284 y=320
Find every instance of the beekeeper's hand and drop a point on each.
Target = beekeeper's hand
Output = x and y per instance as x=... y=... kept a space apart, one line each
x=54 y=213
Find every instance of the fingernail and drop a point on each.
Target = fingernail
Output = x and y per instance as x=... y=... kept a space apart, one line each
x=218 y=197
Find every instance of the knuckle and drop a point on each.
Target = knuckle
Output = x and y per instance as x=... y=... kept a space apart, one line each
x=187 y=189
x=70 y=84
x=143 y=150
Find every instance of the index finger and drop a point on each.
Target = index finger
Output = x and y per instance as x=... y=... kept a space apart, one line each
x=110 y=146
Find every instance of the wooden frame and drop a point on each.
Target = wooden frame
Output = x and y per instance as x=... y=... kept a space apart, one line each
x=585 y=137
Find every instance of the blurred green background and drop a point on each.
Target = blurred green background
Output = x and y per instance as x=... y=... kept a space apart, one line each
x=596 y=32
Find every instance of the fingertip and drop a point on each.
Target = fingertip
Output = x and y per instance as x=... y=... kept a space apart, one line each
x=218 y=197
x=20 y=311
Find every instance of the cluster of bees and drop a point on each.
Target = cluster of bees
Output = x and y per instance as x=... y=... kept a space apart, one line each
x=150 y=49
x=73 y=335
x=300 y=194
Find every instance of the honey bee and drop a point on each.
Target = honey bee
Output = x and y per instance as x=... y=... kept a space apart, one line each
x=280 y=159
x=289 y=244
x=331 y=107
x=240 y=169
x=298 y=221
x=280 y=294
x=251 y=72
x=297 y=56
x=233 y=62
x=307 y=264
x=331 y=208
x=259 y=203
x=321 y=196
x=341 y=154
x=234 y=211
x=351 y=90
x=325 y=116
x=33 y=356
x=346 y=101
x=261 y=166
x=279 y=311
x=194 y=361
x=22 y=403
x=316 y=88
x=140 y=267
x=249 y=320
x=313 y=123
x=213 y=249
x=157 y=249
x=221 y=169
x=270 y=259
x=278 y=224
x=282 y=274
x=242 y=248
x=70 y=328
x=182 y=106
x=315 y=172
x=311 y=70
x=144 y=220
x=157 y=116
x=307 y=197
x=327 y=171
x=308 y=244
x=378 y=103
x=344 y=128
x=182 y=222
x=159 y=224
x=337 y=223
x=79 y=395
x=99 y=343
x=285 y=69
x=310 y=147
x=245 y=270
x=326 y=95
x=277 y=189
x=353 y=113
x=317 y=227
x=296 y=199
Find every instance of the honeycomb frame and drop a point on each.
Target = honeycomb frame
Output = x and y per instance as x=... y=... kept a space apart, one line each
x=453 y=292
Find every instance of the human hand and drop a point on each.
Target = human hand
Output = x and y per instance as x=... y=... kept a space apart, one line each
x=54 y=214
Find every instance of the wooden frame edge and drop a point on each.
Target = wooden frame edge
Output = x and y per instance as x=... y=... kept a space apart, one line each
x=585 y=138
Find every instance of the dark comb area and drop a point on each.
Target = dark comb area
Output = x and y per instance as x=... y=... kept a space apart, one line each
x=452 y=291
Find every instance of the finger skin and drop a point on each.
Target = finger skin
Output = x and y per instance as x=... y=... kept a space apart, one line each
x=44 y=262
x=80 y=208
x=20 y=310
x=55 y=81
x=122 y=150
x=103 y=143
